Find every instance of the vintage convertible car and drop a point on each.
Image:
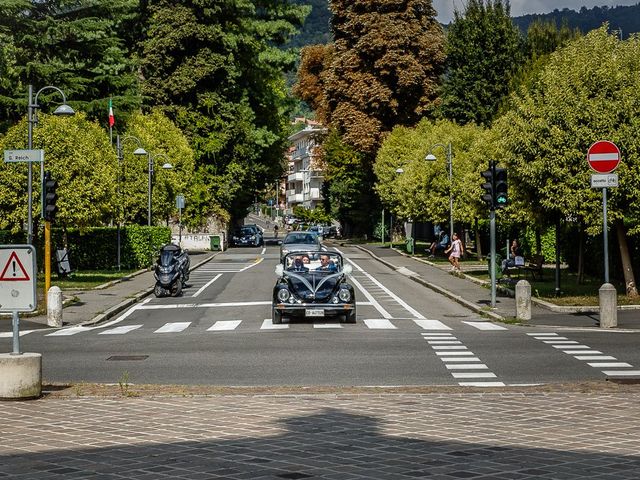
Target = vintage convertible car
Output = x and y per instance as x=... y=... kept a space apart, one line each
x=313 y=284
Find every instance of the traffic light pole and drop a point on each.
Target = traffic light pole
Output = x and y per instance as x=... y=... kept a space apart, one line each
x=47 y=259
x=492 y=230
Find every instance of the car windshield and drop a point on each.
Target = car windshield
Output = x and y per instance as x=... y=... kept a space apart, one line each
x=246 y=231
x=304 y=238
x=313 y=262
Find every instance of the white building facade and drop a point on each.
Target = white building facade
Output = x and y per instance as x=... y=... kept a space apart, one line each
x=305 y=178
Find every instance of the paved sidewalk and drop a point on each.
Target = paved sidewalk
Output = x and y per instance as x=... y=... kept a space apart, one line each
x=478 y=297
x=99 y=304
x=335 y=437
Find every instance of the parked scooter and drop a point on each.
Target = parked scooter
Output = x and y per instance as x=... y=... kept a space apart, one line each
x=171 y=271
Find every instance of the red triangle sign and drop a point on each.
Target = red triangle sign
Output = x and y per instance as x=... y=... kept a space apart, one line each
x=13 y=271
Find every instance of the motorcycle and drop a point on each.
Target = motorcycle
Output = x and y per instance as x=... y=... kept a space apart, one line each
x=171 y=271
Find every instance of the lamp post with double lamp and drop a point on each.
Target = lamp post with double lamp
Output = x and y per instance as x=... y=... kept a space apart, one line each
x=120 y=152
x=430 y=158
x=32 y=119
x=166 y=166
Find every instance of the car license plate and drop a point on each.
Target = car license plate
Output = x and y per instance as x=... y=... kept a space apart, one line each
x=314 y=312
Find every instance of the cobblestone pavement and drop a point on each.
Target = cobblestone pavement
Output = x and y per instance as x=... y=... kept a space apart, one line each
x=336 y=436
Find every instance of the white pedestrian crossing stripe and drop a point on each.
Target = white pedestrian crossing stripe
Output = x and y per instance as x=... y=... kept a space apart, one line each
x=431 y=324
x=224 y=325
x=120 y=330
x=268 y=324
x=173 y=327
x=379 y=324
x=65 y=332
x=485 y=326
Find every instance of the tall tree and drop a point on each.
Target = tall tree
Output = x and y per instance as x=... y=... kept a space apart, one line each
x=387 y=60
x=214 y=67
x=484 y=52
x=77 y=46
x=588 y=91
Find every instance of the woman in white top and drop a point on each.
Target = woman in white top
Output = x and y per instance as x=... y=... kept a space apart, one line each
x=456 y=250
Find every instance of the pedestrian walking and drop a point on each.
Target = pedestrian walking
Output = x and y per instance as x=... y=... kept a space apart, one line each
x=275 y=230
x=456 y=250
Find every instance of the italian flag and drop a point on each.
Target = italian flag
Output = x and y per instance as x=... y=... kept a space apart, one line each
x=112 y=119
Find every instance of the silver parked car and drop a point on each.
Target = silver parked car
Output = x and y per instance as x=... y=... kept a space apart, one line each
x=299 y=242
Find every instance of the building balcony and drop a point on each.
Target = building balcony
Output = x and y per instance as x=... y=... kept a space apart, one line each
x=296 y=177
x=315 y=194
x=295 y=198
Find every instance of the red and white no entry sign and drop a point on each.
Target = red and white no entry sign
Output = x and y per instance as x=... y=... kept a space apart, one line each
x=603 y=156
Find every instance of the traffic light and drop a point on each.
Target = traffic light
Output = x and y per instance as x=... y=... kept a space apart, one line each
x=50 y=197
x=488 y=186
x=500 y=187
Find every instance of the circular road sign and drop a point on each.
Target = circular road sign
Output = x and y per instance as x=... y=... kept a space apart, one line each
x=603 y=156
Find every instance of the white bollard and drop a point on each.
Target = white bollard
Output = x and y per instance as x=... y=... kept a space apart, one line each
x=608 y=306
x=54 y=307
x=523 y=300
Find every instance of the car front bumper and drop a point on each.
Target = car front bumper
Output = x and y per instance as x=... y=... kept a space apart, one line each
x=300 y=309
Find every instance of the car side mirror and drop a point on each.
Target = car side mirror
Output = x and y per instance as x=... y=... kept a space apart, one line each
x=279 y=269
x=279 y=242
x=347 y=269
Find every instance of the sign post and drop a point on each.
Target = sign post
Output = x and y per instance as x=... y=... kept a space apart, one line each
x=180 y=206
x=604 y=157
x=17 y=284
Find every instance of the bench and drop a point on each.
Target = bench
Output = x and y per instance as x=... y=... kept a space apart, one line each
x=532 y=264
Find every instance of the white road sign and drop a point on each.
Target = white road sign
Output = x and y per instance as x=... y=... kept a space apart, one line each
x=17 y=278
x=604 y=180
x=13 y=156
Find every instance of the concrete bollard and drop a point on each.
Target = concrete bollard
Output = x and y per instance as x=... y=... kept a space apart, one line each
x=20 y=376
x=54 y=307
x=608 y=306
x=523 y=300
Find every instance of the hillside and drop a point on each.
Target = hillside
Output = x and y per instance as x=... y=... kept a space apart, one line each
x=316 y=27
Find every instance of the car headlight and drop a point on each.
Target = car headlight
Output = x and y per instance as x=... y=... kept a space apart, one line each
x=253 y=237
x=344 y=294
x=283 y=295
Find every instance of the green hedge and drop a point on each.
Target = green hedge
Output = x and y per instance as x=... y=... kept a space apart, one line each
x=97 y=248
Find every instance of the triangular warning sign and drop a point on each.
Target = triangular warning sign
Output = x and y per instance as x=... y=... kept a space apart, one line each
x=13 y=271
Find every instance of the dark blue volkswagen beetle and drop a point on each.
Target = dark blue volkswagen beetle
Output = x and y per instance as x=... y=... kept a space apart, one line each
x=313 y=285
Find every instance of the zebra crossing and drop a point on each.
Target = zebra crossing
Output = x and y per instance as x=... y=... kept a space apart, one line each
x=594 y=358
x=204 y=276
x=234 y=325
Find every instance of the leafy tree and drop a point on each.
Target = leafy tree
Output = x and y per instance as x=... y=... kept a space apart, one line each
x=385 y=68
x=421 y=191
x=587 y=92
x=314 y=59
x=77 y=46
x=166 y=144
x=215 y=69
x=484 y=52
x=80 y=158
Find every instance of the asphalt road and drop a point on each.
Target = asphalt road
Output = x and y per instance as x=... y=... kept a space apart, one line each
x=219 y=333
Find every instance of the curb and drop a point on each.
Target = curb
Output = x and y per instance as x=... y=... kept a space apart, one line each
x=113 y=311
x=443 y=291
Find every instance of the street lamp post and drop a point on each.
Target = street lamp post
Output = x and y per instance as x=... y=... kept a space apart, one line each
x=430 y=158
x=120 y=152
x=32 y=119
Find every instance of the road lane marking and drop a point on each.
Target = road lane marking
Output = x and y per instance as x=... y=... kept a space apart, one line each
x=610 y=365
x=481 y=384
x=327 y=325
x=448 y=347
x=120 y=330
x=65 y=332
x=455 y=353
x=202 y=305
x=267 y=324
x=379 y=324
x=485 y=325
x=173 y=327
x=444 y=342
x=586 y=353
x=372 y=300
x=468 y=366
x=224 y=325
x=10 y=334
x=460 y=359
x=206 y=285
x=401 y=302
x=430 y=324
x=473 y=375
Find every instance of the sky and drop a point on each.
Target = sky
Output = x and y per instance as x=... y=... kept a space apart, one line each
x=524 y=7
